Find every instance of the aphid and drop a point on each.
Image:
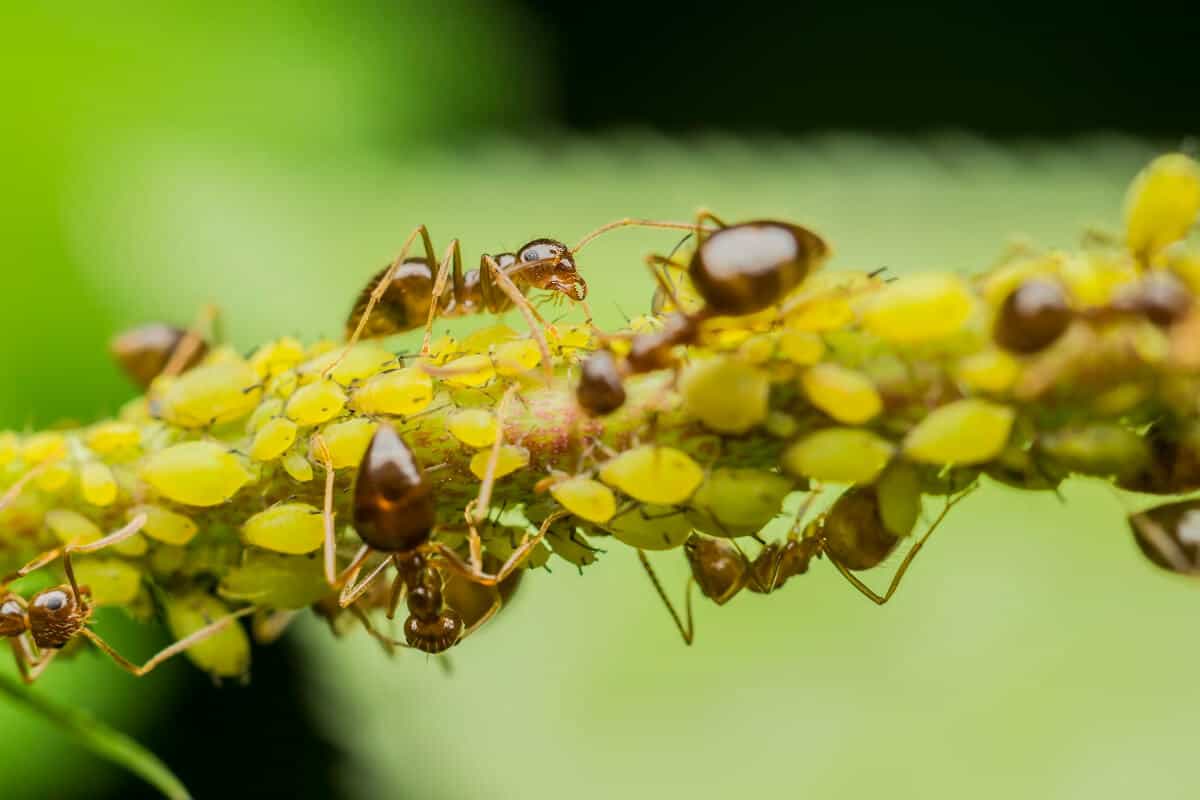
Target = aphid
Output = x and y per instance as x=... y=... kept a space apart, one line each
x=395 y=514
x=38 y=628
x=144 y=352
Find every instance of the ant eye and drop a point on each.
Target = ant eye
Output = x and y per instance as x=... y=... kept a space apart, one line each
x=52 y=601
x=530 y=255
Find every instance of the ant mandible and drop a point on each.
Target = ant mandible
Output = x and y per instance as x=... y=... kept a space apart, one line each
x=39 y=628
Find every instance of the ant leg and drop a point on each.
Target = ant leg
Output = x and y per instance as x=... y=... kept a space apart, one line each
x=399 y=590
x=389 y=645
x=453 y=256
x=191 y=640
x=870 y=593
x=330 y=539
x=688 y=631
x=478 y=510
x=455 y=562
x=350 y=593
x=192 y=341
x=380 y=289
x=630 y=222
x=31 y=665
x=65 y=551
x=19 y=485
x=479 y=623
x=490 y=271
x=267 y=628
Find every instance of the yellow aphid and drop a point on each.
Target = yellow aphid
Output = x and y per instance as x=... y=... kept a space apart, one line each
x=195 y=473
x=347 y=441
x=471 y=371
x=504 y=541
x=991 y=371
x=442 y=349
x=211 y=395
x=738 y=502
x=1120 y=399
x=474 y=427
x=110 y=581
x=758 y=349
x=823 y=301
x=298 y=466
x=43 y=447
x=839 y=455
x=9 y=447
x=653 y=474
x=224 y=655
x=724 y=393
x=846 y=395
x=512 y=458
x=967 y=431
x=587 y=499
x=71 y=526
x=918 y=308
x=133 y=547
x=321 y=347
x=273 y=439
x=291 y=528
x=110 y=438
x=283 y=385
x=55 y=476
x=277 y=357
x=1093 y=280
x=484 y=339
x=781 y=425
x=651 y=527
x=801 y=347
x=645 y=324
x=402 y=392
x=516 y=358
x=361 y=361
x=165 y=526
x=571 y=546
x=899 y=493
x=267 y=410
x=316 y=403
x=570 y=337
x=270 y=580
x=1185 y=263
x=1162 y=204
x=97 y=484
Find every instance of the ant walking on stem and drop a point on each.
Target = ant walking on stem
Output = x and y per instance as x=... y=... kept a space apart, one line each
x=39 y=628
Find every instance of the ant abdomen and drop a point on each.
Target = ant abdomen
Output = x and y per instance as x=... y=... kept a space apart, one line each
x=744 y=268
x=601 y=389
x=718 y=568
x=853 y=530
x=394 y=509
x=404 y=304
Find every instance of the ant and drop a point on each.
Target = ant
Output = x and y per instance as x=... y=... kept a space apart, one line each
x=412 y=291
x=55 y=616
x=155 y=349
x=851 y=533
x=737 y=270
x=394 y=513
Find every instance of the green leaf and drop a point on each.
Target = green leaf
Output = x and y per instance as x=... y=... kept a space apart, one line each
x=102 y=740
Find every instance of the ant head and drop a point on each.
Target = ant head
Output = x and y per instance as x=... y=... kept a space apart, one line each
x=434 y=635
x=552 y=267
x=14 y=618
x=55 y=616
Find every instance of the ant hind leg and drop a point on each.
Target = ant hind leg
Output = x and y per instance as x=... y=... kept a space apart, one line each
x=189 y=641
x=688 y=630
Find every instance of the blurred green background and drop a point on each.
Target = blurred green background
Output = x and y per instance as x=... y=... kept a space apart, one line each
x=271 y=159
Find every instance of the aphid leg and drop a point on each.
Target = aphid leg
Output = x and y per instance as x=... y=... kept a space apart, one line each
x=453 y=257
x=519 y=554
x=64 y=552
x=191 y=640
x=192 y=340
x=477 y=510
x=490 y=271
x=351 y=592
x=688 y=631
x=629 y=222
x=870 y=593
x=381 y=289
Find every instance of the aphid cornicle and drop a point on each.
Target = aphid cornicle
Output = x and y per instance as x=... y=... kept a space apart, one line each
x=39 y=628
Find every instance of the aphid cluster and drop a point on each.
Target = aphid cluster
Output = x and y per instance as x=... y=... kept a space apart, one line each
x=350 y=478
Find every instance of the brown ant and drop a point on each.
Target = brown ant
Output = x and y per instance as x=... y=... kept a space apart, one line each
x=154 y=349
x=1169 y=536
x=737 y=270
x=39 y=628
x=851 y=533
x=395 y=514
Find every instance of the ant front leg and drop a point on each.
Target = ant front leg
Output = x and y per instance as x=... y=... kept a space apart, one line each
x=522 y=552
x=30 y=665
x=64 y=552
x=187 y=642
x=688 y=631
x=193 y=340
x=489 y=272
x=453 y=257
